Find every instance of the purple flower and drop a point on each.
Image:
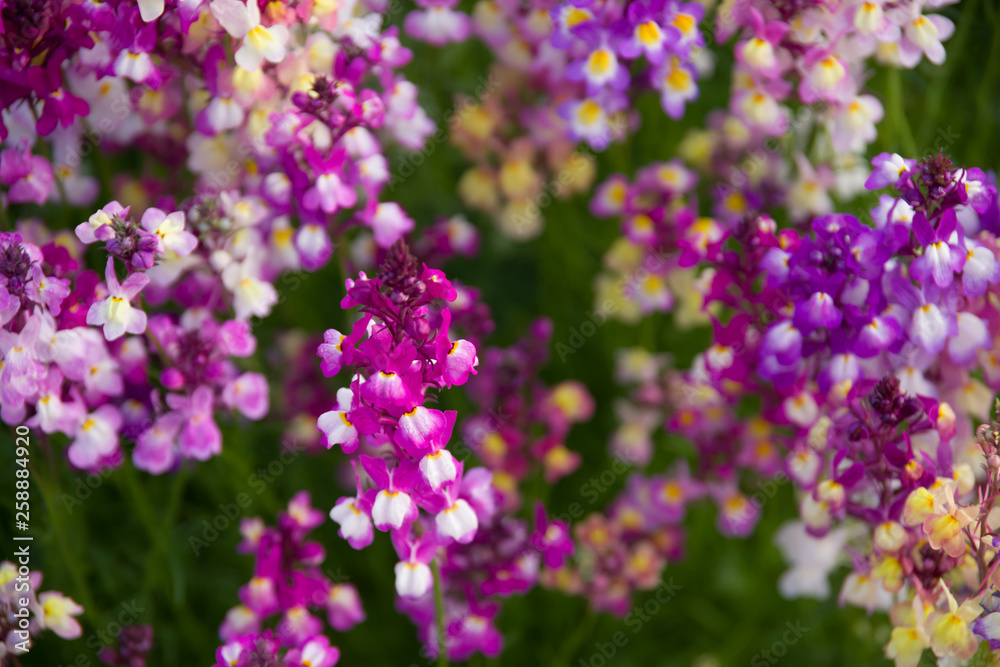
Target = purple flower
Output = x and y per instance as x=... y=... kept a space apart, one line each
x=875 y=336
x=437 y=22
x=389 y=223
x=941 y=258
x=59 y=106
x=200 y=437
x=354 y=516
x=980 y=271
x=96 y=438
x=413 y=575
x=249 y=394
x=889 y=168
x=169 y=232
x=343 y=606
x=98 y=227
x=29 y=177
x=329 y=193
x=336 y=426
x=47 y=290
x=424 y=431
x=930 y=327
x=819 y=310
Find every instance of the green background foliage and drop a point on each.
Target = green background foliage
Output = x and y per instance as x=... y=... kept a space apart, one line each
x=126 y=546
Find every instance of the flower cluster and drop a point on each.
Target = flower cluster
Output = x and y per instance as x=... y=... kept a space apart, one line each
x=400 y=350
x=797 y=91
x=134 y=643
x=70 y=368
x=503 y=559
x=867 y=349
x=277 y=117
x=23 y=615
x=522 y=158
x=297 y=98
x=287 y=587
x=564 y=77
x=522 y=428
x=625 y=549
x=579 y=55
x=649 y=267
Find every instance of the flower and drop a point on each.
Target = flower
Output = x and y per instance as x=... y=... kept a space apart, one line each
x=242 y=21
x=116 y=313
x=57 y=614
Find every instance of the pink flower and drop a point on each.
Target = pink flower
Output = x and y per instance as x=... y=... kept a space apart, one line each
x=343 y=607
x=437 y=22
x=28 y=176
x=200 y=437
x=389 y=223
x=96 y=438
x=57 y=614
x=423 y=430
x=460 y=362
x=335 y=425
x=249 y=394
x=169 y=232
x=393 y=506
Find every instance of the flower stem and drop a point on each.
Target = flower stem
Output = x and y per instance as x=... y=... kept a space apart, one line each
x=900 y=125
x=439 y=612
x=573 y=642
x=60 y=533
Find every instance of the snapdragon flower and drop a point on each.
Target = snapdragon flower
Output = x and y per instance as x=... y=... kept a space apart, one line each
x=865 y=345
x=48 y=610
x=288 y=585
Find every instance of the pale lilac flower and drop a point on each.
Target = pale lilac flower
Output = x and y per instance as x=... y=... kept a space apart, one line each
x=116 y=314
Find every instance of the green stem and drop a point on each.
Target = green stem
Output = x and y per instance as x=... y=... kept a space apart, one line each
x=572 y=644
x=986 y=115
x=439 y=611
x=59 y=529
x=899 y=122
x=173 y=505
x=149 y=522
x=161 y=539
x=943 y=74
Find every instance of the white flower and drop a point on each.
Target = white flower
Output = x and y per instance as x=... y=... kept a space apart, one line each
x=115 y=313
x=242 y=21
x=458 y=522
x=150 y=10
x=251 y=295
x=412 y=579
